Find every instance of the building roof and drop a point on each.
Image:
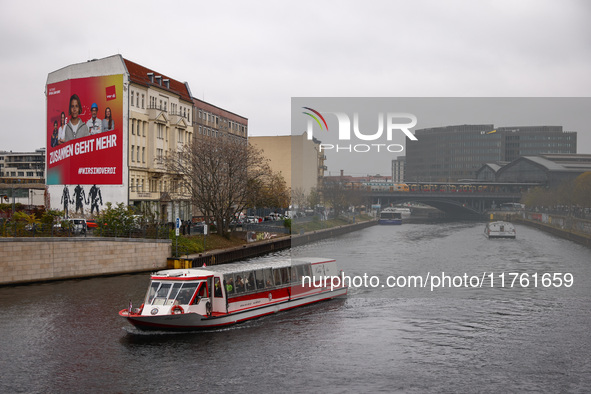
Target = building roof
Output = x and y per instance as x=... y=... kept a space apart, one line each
x=494 y=166
x=560 y=162
x=553 y=163
x=139 y=74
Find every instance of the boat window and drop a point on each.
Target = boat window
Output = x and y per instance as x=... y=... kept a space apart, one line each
x=300 y=269
x=260 y=279
x=277 y=277
x=318 y=270
x=268 y=277
x=217 y=287
x=162 y=294
x=308 y=269
x=249 y=281
x=285 y=275
x=295 y=277
x=173 y=293
x=239 y=283
x=152 y=292
x=229 y=283
x=201 y=293
x=186 y=293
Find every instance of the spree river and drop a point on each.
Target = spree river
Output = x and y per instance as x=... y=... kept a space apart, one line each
x=475 y=332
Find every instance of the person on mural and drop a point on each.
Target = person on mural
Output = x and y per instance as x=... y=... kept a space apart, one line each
x=108 y=122
x=75 y=128
x=66 y=200
x=94 y=195
x=54 y=136
x=61 y=134
x=80 y=197
x=95 y=125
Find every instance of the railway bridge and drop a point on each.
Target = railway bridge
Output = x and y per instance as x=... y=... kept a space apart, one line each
x=465 y=200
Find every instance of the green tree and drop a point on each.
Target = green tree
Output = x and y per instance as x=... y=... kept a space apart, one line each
x=582 y=190
x=116 y=221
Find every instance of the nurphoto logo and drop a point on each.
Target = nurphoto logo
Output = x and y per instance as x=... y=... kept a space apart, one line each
x=390 y=123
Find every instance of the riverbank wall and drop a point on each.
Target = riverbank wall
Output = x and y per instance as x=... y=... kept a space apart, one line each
x=29 y=260
x=264 y=247
x=25 y=260
x=573 y=229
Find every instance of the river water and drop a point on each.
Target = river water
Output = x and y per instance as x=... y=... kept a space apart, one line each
x=67 y=336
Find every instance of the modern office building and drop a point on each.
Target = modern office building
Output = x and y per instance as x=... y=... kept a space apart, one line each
x=398 y=169
x=120 y=120
x=454 y=153
x=22 y=167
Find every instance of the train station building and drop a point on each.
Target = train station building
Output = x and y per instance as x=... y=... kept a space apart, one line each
x=454 y=153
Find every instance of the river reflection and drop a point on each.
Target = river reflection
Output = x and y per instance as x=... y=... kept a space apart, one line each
x=66 y=336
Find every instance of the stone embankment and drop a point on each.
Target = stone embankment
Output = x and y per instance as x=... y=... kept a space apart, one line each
x=24 y=260
x=27 y=260
x=571 y=228
x=264 y=247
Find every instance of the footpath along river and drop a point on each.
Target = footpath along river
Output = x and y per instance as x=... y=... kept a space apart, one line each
x=462 y=337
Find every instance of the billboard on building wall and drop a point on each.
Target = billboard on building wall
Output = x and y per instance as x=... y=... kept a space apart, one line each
x=84 y=131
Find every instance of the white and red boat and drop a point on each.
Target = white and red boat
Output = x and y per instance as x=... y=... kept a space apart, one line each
x=218 y=296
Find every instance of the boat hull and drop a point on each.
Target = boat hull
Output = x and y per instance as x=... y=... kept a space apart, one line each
x=195 y=321
x=390 y=222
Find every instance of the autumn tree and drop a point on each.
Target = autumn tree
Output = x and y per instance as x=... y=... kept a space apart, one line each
x=582 y=190
x=221 y=175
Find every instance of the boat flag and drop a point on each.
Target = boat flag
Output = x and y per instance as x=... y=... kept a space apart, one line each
x=130 y=306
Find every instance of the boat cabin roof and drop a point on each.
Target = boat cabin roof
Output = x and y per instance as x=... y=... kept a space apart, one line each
x=196 y=273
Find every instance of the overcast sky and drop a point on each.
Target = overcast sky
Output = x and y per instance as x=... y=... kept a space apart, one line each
x=252 y=57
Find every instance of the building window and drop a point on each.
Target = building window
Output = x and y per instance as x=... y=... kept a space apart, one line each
x=133 y=126
x=138 y=154
x=142 y=101
x=160 y=131
x=199 y=129
x=143 y=155
x=132 y=94
x=132 y=150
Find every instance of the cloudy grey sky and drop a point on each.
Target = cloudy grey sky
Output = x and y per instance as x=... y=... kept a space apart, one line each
x=252 y=57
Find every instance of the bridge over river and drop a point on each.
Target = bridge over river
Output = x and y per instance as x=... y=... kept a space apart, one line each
x=465 y=200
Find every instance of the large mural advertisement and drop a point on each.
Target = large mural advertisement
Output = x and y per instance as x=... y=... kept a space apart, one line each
x=84 y=131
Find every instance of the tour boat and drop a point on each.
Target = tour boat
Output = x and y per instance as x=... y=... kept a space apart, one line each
x=222 y=295
x=499 y=230
x=390 y=216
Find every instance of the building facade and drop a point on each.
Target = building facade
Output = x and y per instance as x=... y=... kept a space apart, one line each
x=119 y=155
x=22 y=167
x=398 y=169
x=298 y=159
x=454 y=153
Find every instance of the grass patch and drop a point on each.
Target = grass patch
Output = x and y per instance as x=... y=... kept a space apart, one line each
x=192 y=244
x=316 y=225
